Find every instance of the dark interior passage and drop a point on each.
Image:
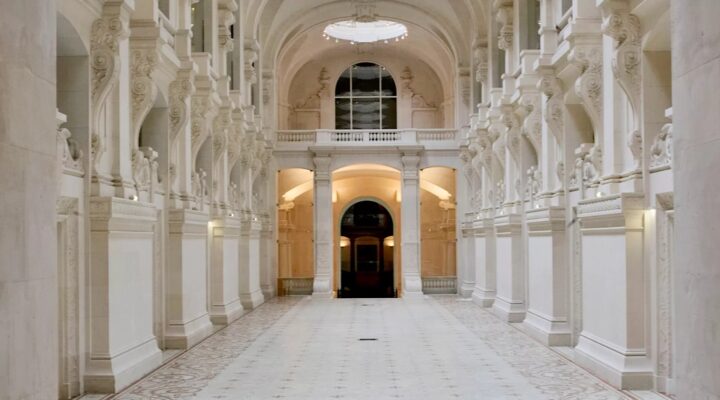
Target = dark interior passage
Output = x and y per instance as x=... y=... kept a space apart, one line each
x=366 y=251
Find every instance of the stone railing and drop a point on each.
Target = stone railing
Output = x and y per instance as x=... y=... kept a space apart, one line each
x=295 y=286
x=439 y=285
x=430 y=138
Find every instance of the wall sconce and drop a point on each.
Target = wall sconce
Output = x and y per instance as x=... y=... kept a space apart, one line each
x=344 y=241
x=389 y=241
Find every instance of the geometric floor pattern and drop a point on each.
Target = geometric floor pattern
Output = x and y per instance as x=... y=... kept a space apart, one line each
x=437 y=347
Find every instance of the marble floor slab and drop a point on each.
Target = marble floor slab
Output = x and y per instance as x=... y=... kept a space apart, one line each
x=432 y=348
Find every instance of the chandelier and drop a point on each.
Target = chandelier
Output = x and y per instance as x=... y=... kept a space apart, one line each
x=365 y=31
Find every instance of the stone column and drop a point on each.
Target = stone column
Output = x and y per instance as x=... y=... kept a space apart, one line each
x=28 y=272
x=410 y=225
x=696 y=166
x=322 y=286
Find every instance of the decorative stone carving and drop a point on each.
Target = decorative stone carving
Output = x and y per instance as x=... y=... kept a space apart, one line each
x=551 y=87
x=661 y=151
x=251 y=57
x=481 y=65
x=143 y=90
x=313 y=100
x=69 y=153
x=499 y=193
x=588 y=86
x=512 y=123
x=106 y=34
x=364 y=10
x=417 y=100
x=221 y=124
x=505 y=17
x=532 y=124
x=144 y=166
x=225 y=20
x=624 y=27
x=199 y=188
x=534 y=183
x=180 y=91
x=203 y=110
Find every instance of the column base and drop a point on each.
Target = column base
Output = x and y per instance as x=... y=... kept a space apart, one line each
x=250 y=301
x=630 y=370
x=322 y=287
x=550 y=333
x=509 y=311
x=119 y=371
x=227 y=313
x=483 y=298
x=466 y=289
x=268 y=291
x=186 y=335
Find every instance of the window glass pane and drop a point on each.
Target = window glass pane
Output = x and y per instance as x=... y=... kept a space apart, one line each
x=366 y=114
x=388 y=84
x=389 y=113
x=343 y=84
x=366 y=80
x=342 y=114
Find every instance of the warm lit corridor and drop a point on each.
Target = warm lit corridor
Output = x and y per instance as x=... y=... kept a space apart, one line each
x=438 y=347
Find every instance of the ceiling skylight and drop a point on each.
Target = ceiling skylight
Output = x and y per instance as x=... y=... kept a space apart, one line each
x=354 y=31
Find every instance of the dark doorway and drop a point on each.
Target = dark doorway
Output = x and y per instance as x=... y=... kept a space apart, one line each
x=366 y=251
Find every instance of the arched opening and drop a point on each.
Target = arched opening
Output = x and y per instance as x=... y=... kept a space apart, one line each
x=367 y=251
x=365 y=98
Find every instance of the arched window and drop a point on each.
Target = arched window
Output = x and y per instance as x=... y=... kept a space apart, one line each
x=365 y=98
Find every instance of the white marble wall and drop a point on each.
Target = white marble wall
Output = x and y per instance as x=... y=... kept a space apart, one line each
x=696 y=122
x=28 y=271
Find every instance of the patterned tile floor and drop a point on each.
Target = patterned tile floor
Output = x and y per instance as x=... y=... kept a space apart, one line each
x=432 y=348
